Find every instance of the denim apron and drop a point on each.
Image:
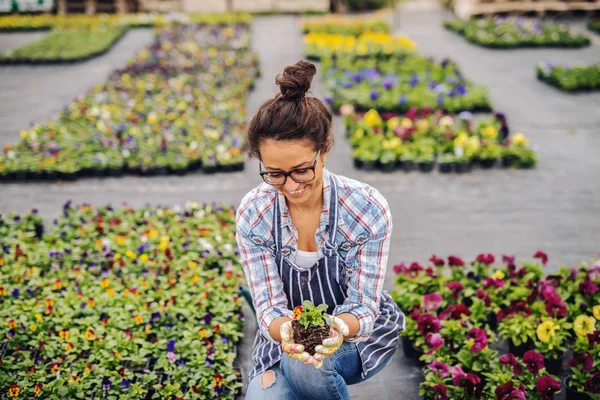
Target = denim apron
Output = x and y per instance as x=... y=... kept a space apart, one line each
x=326 y=282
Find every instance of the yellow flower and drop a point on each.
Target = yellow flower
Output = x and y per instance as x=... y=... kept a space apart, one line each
x=89 y=334
x=359 y=133
x=498 y=275
x=195 y=278
x=461 y=139
x=393 y=123
x=546 y=331
x=13 y=390
x=596 y=311
x=192 y=264
x=520 y=139
x=117 y=256
x=130 y=254
x=104 y=283
x=202 y=332
x=584 y=325
x=489 y=132
x=110 y=292
x=64 y=334
x=446 y=122
x=147 y=329
x=33 y=327
x=372 y=118
x=144 y=258
x=91 y=302
x=39 y=317
x=406 y=123
x=120 y=239
x=153 y=233
x=422 y=125
x=12 y=324
x=69 y=346
x=138 y=319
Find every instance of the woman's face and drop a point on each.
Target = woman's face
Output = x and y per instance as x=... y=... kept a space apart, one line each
x=287 y=156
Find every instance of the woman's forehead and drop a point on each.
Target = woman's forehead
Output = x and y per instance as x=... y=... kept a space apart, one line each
x=286 y=155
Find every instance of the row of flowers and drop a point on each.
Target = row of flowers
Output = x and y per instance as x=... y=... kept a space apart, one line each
x=420 y=138
x=32 y=22
x=401 y=82
x=66 y=46
x=344 y=25
x=372 y=44
x=508 y=331
x=570 y=77
x=175 y=107
x=502 y=32
x=121 y=303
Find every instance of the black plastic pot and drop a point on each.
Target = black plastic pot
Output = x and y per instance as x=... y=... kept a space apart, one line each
x=446 y=168
x=553 y=365
x=492 y=321
x=358 y=163
x=369 y=165
x=508 y=161
x=463 y=167
x=409 y=349
x=408 y=166
x=209 y=169
x=488 y=163
x=573 y=394
x=425 y=166
x=519 y=350
x=388 y=167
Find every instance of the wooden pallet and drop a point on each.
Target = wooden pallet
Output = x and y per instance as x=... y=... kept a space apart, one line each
x=466 y=9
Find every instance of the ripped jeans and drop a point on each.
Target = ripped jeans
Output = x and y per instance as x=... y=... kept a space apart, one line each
x=295 y=380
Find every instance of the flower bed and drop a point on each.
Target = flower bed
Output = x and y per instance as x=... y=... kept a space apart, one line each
x=516 y=32
x=319 y=45
x=24 y=22
x=65 y=46
x=121 y=303
x=420 y=139
x=344 y=25
x=461 y=317
x=570 y=78
x=399 y=82
x=176 y=107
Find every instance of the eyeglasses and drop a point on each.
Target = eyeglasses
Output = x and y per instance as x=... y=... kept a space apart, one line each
x=300 y=175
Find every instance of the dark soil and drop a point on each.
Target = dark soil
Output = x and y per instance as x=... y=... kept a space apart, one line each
x=310 y=337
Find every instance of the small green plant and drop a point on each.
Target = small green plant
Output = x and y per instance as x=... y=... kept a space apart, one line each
x=312 y=315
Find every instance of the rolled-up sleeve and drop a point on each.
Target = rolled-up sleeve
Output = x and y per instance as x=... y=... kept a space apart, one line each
x=261 y=273
x=365 y=286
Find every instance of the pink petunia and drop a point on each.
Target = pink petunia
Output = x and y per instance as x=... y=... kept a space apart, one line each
x=542 y=256
x=435 y=341
x=432 y=301
x=443 y=370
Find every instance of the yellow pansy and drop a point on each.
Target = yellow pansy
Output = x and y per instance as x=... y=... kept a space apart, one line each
x=138 y=319
x=596 y=311
x=33 y=327
x=130 y=254
x=104 y=283
x=520 y=139
x=110 y=292
x=120 y=239
x=489 y=132
x=372 y=118
x=498 y=275
x=461 y=139
x=144 y=258
x=584 y=325
x=546 y=331
x=393 y=123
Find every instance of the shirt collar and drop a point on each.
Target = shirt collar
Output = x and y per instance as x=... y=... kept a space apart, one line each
x=286 y=220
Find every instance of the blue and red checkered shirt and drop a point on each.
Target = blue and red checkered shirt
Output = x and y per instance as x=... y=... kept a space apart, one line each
x=362 y=238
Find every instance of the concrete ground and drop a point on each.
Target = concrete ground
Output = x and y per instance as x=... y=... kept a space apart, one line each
x=554 y=207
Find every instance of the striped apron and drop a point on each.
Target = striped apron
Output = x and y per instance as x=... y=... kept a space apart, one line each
x=326 y=282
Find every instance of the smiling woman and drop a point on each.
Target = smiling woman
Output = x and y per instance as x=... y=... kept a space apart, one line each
x=309 y=234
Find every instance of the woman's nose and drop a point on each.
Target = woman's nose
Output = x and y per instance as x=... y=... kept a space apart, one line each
x=290 y=185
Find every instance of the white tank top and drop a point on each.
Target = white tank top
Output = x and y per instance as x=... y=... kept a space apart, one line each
x=306 y=259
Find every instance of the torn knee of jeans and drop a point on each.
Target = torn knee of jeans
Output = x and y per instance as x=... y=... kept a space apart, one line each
x=267 y=379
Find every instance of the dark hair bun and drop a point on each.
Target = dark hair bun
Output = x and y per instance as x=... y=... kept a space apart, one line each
x=296 y=79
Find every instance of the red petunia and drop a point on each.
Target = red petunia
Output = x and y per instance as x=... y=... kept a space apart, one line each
x=509 y=392
x=547 y=386
x=427 y=323
x=454 y=261
x=542 y=256
x=480 y=339
x=584 y=362
x=534 y=361
x=438 y=262
x=510 y=359
x=456 y=288
x=592 y=385
x=485 y=259
x=440 y=392
x=435 y=341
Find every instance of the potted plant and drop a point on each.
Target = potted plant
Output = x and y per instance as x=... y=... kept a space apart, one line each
x=447 y=163
x=519 y=330
x=552 y=335
x=309 y=327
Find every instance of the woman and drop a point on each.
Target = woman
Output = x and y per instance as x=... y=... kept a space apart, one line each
x=308 y=234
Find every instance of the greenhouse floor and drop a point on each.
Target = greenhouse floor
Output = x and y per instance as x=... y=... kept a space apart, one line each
x=554 y=207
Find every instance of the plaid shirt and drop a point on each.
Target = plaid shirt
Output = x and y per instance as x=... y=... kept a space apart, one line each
x=363 y=240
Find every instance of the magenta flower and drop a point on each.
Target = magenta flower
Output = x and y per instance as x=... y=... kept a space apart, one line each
x=534 y=361
x=593 y=339
x=592 y=385
x=458 y=375
x=440 y=392
x=587 y=287
x=473 y=385
x=427 y=323
x=435 y=341
x=509 y=392
x=454 y=261
x=398 y=268
x=508 y=259
x=456 y=288
x=441 y=369
x=584 y=362
x=497 y=283
x=555 y=307
x=438 y=262
x=542 y=256
x=484 y=296
x=485 y=259
x=547 y=386
x=432 y=301
x=480 y=339
x=510 y=359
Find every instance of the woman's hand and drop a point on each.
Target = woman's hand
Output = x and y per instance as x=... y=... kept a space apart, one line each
x=337 y=330
x=293 y=350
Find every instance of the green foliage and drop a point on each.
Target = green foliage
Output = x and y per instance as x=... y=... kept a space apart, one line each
x=312 y=315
